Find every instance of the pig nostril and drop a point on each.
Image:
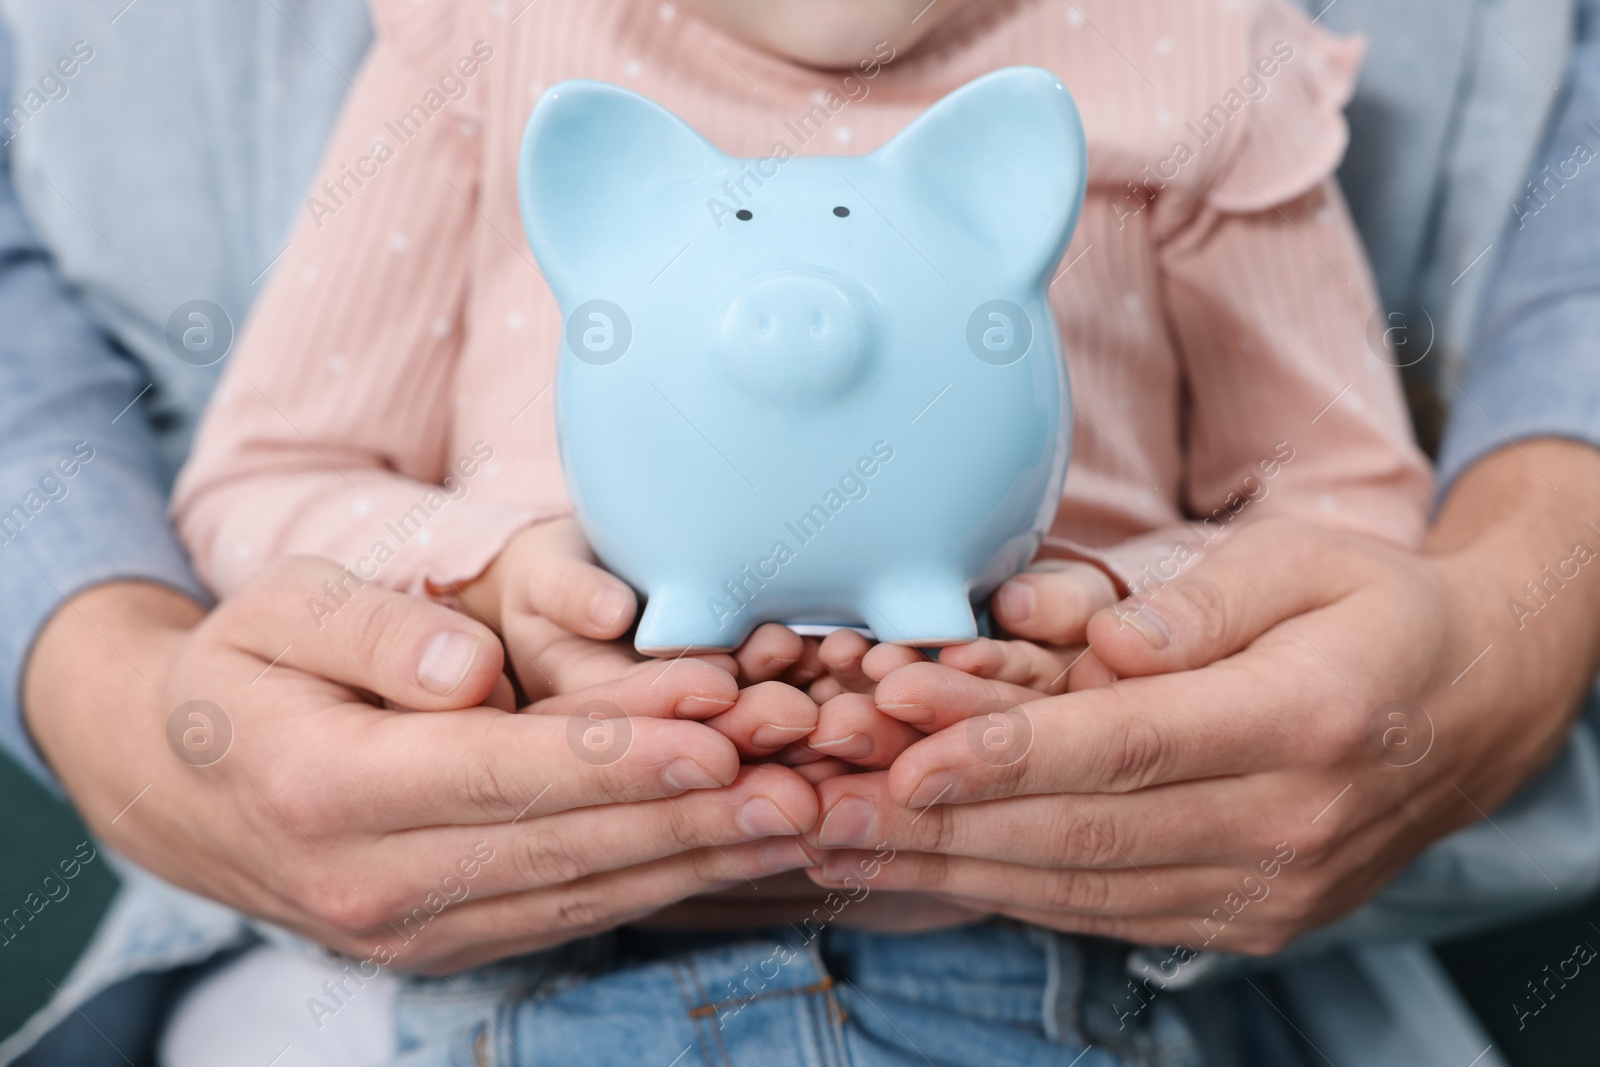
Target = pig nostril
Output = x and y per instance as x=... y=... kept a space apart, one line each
x=764 y=325
x=819 y=323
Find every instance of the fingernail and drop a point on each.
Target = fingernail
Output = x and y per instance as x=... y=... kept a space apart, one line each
x=700 y=707
x=608 y=606
x=851 y=746
x=1015 y=601
x=446 y=661
x=915 y=714
x=687 y=774
x=1151 y=626
x=940 y=787
x=786 y=856
x=770 y=736
x=760 y=817
x=849 y=823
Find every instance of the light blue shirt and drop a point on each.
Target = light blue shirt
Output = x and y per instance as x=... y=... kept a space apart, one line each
x=160 y=151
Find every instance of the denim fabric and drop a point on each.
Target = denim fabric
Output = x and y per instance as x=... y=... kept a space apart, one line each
x=977 y=995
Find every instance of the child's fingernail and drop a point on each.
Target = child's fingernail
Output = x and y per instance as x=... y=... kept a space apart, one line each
x=446 y=661
x=770 y=736
x=851 y=746
x=786 y=856
x=687 y=774
x=915 y=714
x=700 y=707
x=608 y=606
x=760 y=817
x=1015 y=601
x=849 y=823
x=940 y=787
x=1151 y=626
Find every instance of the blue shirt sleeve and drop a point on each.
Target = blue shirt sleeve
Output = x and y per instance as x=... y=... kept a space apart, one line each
x=82 y=498
x=1535 y=367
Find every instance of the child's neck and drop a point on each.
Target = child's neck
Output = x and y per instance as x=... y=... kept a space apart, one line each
x=826 y=34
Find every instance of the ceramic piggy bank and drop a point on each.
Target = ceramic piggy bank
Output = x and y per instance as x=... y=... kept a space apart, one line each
x=809 y=390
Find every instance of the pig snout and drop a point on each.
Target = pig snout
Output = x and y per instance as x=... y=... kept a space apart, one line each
x=798 y=335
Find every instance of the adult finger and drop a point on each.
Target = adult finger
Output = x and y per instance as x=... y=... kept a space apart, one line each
x=395 y=771
x=1136 y=733
x=478 y=931
x=1052 y=600
x=541 y=850
x=1264 y=573
x=312 y=615
x=1151 y=892
x=1216 y=821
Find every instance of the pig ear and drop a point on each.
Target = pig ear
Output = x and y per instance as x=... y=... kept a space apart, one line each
x=1003 y=158
x=609 y=183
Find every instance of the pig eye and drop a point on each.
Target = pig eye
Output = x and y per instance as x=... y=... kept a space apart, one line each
x=842 y=211
x=743 y=215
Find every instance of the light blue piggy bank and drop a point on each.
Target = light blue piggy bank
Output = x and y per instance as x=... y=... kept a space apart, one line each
x=809 y=390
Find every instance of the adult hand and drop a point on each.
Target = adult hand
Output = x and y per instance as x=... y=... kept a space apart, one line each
x=492 y=832
x=1137 y=810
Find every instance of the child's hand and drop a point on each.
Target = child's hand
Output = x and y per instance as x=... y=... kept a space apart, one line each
x=863 y=724
x=558 y=611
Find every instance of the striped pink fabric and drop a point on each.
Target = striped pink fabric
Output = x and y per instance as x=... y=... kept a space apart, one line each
x=390 y=402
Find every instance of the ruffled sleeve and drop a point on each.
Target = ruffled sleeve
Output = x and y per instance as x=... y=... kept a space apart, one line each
x=1294 y=136
x=329 y=433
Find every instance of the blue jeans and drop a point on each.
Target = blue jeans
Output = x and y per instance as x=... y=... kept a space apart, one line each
x=992 y=993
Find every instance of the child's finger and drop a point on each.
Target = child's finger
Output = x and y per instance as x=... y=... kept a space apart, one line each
x=1052 y=601
x=880 y=660
x=824 y=689
x=808 y=668
x=1019 y=662
x=842 y=652
x=1090 y=672
x=796 y=754
x=821 y=770
x=931 y=696
x=767 y=653
x=767 y=717
x=850 y=728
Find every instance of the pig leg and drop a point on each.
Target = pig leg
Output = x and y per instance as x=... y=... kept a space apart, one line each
x=922 y=609
x=679 y=617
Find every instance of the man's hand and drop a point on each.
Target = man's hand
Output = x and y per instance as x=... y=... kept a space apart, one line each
x=493 y=833
x=1137 y=810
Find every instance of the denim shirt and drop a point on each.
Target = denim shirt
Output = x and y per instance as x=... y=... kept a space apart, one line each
x=168 y=166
